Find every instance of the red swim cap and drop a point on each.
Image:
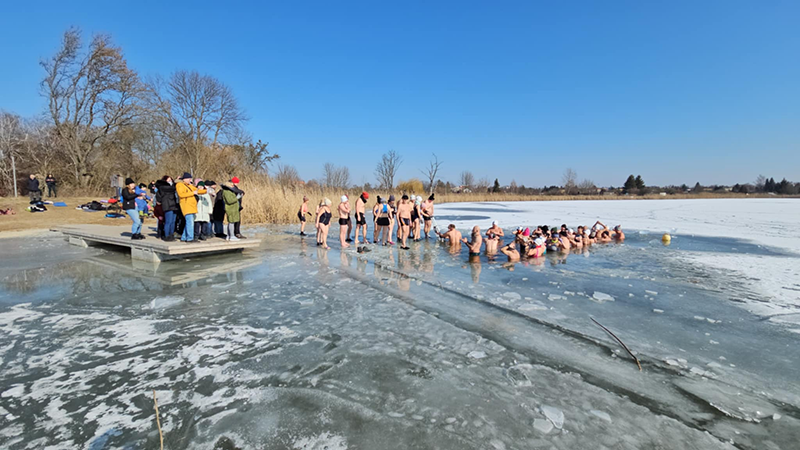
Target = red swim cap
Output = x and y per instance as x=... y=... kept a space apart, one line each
x=365 y=195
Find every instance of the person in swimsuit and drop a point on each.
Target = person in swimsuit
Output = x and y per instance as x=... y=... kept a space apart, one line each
x=452 y=235
x=537 y=249
x=382 y=222
x=510 y=250
x=301 y=214
x=415 y=210
x=497 y=231
x=324 y=222
x=491 y=243
x=474 y=245
x=392 y=218
x=404 y=220
x=344 y=221
x=427 y=215
x=375 y=230
x=361 y=220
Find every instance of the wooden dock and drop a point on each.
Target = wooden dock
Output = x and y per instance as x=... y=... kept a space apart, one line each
x=150 y=249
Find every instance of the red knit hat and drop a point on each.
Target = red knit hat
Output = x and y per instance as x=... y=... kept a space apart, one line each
x=365 y=195
x=235 y=180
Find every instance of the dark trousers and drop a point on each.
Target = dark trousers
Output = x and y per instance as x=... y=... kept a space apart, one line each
x=236 y=230
x=51 y=190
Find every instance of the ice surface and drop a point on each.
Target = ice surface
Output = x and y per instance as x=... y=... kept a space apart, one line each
x=419 y=349
x=554 y=415
x=602 y=297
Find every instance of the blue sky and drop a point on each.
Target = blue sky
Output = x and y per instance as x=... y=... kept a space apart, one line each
x=678 y=91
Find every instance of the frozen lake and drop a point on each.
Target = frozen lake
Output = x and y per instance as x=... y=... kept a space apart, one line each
x=292 y=347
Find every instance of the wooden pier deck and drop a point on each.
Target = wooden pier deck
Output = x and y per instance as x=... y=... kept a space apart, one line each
x=149 y=249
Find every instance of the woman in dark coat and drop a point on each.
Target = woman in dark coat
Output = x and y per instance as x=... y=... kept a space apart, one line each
x=165 y=196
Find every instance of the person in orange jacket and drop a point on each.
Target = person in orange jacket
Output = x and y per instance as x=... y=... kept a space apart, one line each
x=188 y=202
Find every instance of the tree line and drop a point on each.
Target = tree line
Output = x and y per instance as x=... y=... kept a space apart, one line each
x=102 y=118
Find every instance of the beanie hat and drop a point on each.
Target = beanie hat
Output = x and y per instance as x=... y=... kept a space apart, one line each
x=365 y=194
x=129 y=181
x=391 y=198
x=235 y=180
x=344 y=198
x=201 y=184
x=186 y=175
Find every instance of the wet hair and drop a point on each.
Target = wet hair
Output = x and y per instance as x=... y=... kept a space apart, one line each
x=563 y=225
x=405 y=197
x=451 y=227
x=545 y=229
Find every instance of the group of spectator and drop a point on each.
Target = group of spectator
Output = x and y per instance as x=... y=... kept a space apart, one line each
x=191 y=207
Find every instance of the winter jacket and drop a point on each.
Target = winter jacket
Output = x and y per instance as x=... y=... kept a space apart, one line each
x=33 y=185
x=165 y=195
x=186 y=195
x=204 y=208
x=231 y=205
x=128 y=199
x=219 y=207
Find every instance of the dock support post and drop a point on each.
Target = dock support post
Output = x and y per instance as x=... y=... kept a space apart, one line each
x=78 y=241
x=145 y=254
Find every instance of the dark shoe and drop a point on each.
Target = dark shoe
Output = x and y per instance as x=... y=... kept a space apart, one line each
x=303 y=234
x=240 y=236
x=348 y=240
x=202 y=238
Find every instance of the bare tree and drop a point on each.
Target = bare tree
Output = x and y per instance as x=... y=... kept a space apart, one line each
x=482 y=184
x=197 y=111
x=513 y=186
x=90 y=96
x=336 y=177
x=9 y=140
x=386 y=171
x=587 y=187
x=569 y=180
x=431 y=172
x=287 y=175
x=467 y=179
x=761 y=180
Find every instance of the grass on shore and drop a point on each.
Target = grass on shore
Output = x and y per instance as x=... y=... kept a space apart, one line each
x=268 y=202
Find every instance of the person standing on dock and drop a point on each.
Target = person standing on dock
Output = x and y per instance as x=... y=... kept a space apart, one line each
x=232 y=208
x=129 y=206
x=204 y=209
x=188 y=202
x=167 y=198
x=237 y=226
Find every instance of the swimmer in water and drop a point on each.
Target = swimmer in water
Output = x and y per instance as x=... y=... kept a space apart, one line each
x=511 y=252
x=474 y=245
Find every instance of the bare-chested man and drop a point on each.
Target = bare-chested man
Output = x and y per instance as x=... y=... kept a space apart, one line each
x=361 y=219
x=301 y=214
x=510 y=250
x=452 y=235
x=496 y=231
x=474 y=245
x=344 y=221
x=427 y=214
x=404 y=218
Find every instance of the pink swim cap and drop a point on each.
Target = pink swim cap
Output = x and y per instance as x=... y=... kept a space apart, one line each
x=527 y=232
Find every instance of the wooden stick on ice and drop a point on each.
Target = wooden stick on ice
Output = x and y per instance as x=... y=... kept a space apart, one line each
x=620 y=343
x=158 y=421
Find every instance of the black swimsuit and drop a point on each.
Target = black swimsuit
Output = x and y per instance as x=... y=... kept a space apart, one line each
x=325 y=218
